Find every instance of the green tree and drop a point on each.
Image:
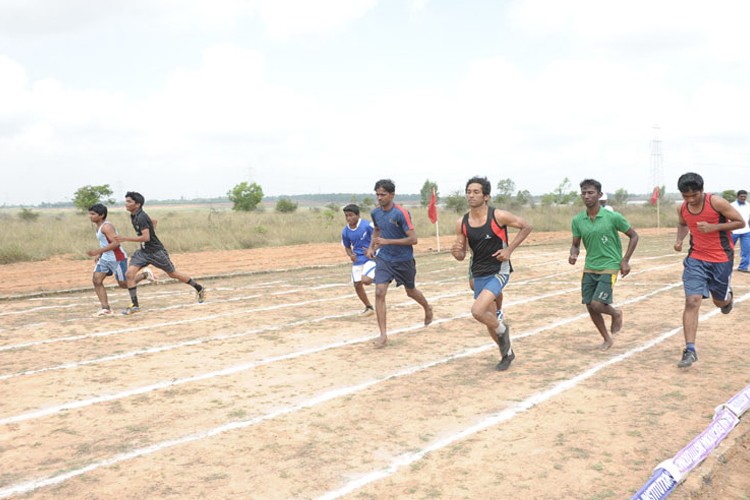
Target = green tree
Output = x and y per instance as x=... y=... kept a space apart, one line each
x=457 y=202
x=86 y=196
x=729 y=194
x=562 y=195
x=285 y=206
x=504 y=190
x=524 y=198
x=245 y=197
x=621 y=197
x=426 y=193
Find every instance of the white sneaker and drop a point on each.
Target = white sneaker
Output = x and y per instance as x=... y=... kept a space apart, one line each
x=369 y=311
x=103 y=312
x=150 y=276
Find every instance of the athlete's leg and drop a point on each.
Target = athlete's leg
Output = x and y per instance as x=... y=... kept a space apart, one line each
x=381 y=289
x=419 y=298
x=360 y=289
x=98 y=280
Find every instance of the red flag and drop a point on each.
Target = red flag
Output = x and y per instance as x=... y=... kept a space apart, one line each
x=432 y=208
x=655 y=195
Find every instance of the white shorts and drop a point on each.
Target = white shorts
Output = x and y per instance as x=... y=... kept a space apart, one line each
x=366 y=269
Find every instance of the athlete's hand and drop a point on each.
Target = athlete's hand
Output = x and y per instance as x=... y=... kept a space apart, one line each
x=678 y=246
x=458 y=251
x=624 y=268
x=92 y=253
x=705 y=227
x=502 y=254
x=572 y=259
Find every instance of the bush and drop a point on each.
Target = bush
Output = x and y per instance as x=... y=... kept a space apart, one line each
x=285 y=206
x=28 y=215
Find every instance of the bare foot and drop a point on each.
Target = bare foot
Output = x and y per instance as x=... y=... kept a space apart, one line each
x=380 y=342
x=606 y=345
x=616 y=322
x=428 y=316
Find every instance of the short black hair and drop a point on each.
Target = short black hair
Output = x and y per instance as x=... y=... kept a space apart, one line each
x=741 y=191
x=351 y=207
x=482 y=181
x=98 y=208
x=386 y=184
x=593 y=183
x=690 y=182
x=136 y=197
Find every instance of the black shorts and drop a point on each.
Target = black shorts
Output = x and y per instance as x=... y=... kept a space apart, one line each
x=159 y=259
x=404 y=272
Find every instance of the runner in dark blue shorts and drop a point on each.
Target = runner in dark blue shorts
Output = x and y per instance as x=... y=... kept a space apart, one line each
x=393 y=238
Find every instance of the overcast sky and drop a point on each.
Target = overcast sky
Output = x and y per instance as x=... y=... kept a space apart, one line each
x=186 y=98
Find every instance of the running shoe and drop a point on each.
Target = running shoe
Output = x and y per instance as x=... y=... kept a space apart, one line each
x=150 y=276
x=131 y=310
x=201 y=294
x=369 y=311
x=728 y=308
x=688 y=358
x=104 y=312
x=506 y=349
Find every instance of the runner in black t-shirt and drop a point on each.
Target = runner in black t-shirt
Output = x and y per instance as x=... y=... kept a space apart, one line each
x=151 y=252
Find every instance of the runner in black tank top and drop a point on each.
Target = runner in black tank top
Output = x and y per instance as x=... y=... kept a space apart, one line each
x=484 y=230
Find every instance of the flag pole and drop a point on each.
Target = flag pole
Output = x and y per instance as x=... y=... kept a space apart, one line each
x=437 y=233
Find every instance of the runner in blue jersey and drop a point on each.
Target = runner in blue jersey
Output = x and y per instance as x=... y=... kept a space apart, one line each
x=356 y=237
x=394 y=238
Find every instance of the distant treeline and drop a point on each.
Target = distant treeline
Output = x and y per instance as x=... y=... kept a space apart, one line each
x=302 y=199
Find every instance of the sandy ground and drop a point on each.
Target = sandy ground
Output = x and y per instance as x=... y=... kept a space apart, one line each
x=271 y=389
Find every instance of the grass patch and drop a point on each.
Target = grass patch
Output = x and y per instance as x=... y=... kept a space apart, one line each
x=67 y=232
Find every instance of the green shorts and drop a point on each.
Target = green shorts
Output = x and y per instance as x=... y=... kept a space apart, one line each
x=598 y=287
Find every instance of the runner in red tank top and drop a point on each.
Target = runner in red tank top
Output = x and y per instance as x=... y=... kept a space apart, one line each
x=708 y=266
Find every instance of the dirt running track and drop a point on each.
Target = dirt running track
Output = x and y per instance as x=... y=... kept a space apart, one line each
x=271 y=389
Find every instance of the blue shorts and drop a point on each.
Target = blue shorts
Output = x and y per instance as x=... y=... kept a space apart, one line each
x=701 y=278
x=494 y=283
x=110 y=267
x=403 y=272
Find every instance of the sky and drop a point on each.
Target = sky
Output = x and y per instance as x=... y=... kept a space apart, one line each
x=187 y=98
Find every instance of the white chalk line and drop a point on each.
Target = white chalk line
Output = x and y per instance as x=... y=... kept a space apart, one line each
x=506 y=414
x=327 y=396
x=214 y=316
x=252 y=365
x=199 y=341
x=227 y=371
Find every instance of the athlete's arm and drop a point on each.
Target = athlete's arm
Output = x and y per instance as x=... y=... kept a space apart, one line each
x=682 y=230
x=109 y=231
x=458 y=250
x=143 y=238
x=575 y=249
x=524 y=229
x=734 y=219
x=373 y=243
x=625 y=264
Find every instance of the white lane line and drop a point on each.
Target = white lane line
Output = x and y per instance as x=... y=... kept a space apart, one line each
x=232 y=370
x=217 y=316
x=507 y=414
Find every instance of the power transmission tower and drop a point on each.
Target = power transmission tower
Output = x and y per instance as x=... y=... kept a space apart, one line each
x=657 y=172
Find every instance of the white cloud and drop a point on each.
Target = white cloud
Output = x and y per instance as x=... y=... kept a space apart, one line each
x=290 y=18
